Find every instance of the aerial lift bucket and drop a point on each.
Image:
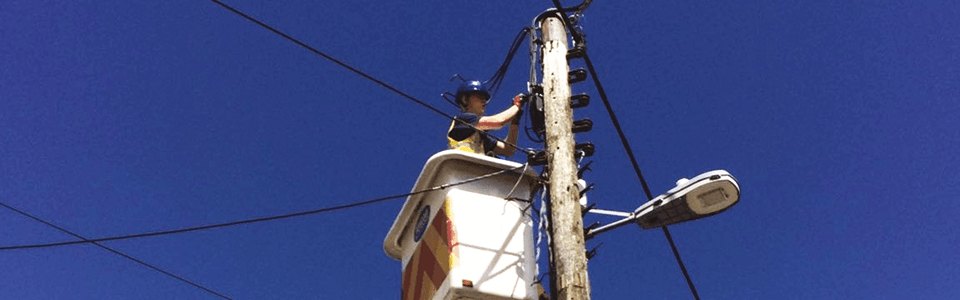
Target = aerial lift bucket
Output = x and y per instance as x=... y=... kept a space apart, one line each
x=468 y=241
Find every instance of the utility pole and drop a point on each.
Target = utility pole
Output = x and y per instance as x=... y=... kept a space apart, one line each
x=569 y=265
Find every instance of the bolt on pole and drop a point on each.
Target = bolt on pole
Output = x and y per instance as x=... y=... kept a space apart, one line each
x=569 y=264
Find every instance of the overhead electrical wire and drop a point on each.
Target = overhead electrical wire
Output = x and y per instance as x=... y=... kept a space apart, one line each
x=96 y=242
x=85 y=240
x=493 y=84
x=361 y=73
x=494 y=81
x=623 y=138
x=606 y=104
x=328 y=57
x=264 y=219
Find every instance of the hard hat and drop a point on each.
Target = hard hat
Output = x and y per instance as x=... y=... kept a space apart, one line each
x=471 y=86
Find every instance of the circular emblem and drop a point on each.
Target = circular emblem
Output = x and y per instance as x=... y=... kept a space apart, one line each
x=421 y=223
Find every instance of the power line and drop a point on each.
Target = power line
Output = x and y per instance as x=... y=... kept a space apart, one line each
x=85 y=240
x=361 y=73
x=676 y=254
x=328 y=57
x=606 y=102
x=623 y=138
x=257 y=220
x=97 y=241
x=493 y=84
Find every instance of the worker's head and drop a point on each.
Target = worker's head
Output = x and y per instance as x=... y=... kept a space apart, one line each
x=472 y=96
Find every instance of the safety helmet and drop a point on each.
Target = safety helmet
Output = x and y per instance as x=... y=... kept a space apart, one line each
x=470 y=87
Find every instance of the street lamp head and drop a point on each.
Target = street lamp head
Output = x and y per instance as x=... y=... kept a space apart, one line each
x=705 y=195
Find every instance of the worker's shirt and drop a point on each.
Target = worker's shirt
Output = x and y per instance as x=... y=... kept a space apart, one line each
x=467 y=138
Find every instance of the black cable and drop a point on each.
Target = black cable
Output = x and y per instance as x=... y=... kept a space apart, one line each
x=85 y=240
x=256 y=220
x=361 y=73
x=606 y=104
x=493 y=84
x=96 y=241
x=535 y=137
x=294 y=214
x=623 y=140
x=676 y=254
x=334 y=60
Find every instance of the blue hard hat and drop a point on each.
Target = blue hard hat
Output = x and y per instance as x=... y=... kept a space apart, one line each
x=471 y=86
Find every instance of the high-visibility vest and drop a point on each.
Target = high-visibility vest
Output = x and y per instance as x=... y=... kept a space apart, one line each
x=473 y=143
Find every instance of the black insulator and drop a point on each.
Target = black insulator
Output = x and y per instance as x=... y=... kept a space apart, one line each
x=577 y=75
x=577 y=52
x=585 y=147
x=580 y=100
x=582 y=125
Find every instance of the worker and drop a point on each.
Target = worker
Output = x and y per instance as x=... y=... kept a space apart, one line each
x=472 y=97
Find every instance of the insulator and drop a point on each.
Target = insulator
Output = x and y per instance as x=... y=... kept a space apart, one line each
x=579 y=100
x=577 y=75
x=586 y=148
x=582 y=125
x=577 y=52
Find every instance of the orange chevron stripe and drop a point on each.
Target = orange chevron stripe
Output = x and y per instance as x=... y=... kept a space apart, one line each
x=436 y=254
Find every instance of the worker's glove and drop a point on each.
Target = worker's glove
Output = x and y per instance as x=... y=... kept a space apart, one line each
x=520 y=100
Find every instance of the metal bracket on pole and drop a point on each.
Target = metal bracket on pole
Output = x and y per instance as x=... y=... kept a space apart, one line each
x=628 y=218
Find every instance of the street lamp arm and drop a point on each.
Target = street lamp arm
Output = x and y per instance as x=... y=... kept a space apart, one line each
x=609 y=212
x=629 y=218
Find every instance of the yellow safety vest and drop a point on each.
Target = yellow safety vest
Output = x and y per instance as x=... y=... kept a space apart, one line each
x=472 y=144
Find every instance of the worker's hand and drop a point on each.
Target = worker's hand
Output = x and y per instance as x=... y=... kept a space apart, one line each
x=520 y=100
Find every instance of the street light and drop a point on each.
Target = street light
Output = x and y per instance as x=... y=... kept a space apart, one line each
x=707 y=194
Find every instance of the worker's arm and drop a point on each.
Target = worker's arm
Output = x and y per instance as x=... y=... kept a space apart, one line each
x=497 y=121
x=504 y=148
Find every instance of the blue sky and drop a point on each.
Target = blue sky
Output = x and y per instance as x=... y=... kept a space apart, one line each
x=122 y=117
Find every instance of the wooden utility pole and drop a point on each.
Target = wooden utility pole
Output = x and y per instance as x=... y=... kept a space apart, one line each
x=569 y=265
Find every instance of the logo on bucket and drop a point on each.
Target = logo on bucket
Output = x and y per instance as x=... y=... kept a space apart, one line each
x=421 y=223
